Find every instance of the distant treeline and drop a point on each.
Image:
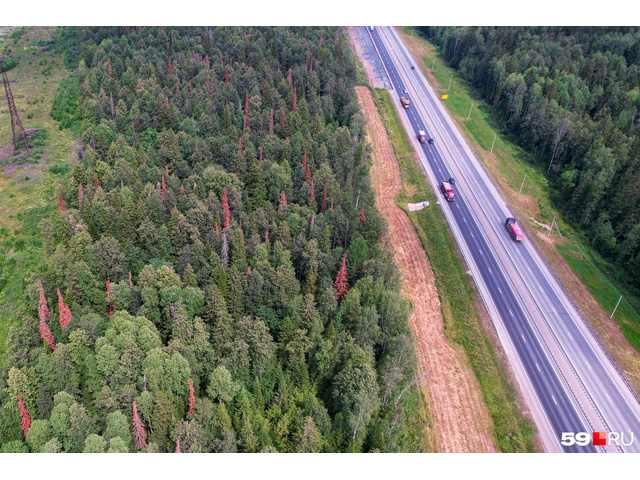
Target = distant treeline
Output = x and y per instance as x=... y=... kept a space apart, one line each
x=569 y=96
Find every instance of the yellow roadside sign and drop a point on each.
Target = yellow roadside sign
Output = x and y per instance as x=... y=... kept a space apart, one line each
x=444 y=97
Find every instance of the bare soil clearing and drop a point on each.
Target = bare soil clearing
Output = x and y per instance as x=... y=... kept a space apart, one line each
x=461 y=421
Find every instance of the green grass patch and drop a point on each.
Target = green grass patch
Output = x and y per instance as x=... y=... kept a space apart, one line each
x=463 y=325
x=28 y=188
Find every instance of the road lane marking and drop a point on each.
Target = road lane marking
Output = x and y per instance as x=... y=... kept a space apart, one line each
x=523 y=338
x=511 y=313
x=489 y=270
x=609 y=398
x=500 y=290
x=588 y=364
x=538 y=368
x=554 y=399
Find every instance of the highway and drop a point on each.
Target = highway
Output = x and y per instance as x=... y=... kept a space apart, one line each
x=569 y=382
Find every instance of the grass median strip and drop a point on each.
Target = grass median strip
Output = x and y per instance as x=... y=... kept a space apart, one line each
x=459 y=299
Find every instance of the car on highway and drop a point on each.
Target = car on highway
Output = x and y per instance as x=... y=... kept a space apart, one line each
x=431 y=141
x=406 y=90
x=413 y=67
x=452 y=180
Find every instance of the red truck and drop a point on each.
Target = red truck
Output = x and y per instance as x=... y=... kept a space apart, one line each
x=514 y=229
x=422 y=136
x=405 y=102
x=447 y=189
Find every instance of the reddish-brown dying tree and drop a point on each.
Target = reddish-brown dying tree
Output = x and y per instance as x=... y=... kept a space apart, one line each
x=217 y=228
x=61 y=206
x=240 y=145
x=97 y=180
x=80 y=197
x=332 y=204
x=221 y=60
x=312 y=195
x=192 y=398
x=139 y=433
x=45 y=333
x=190 y=91
x=163 y=189
x=282 y=205
x=249 y=271
x=225 y=208
x=25 y=416
x=341 y=280
x=133 y=127
x=289 y=76
x=207 y=62
x=181 y=190
x=361 y=215
x=226 y=75
x=43 y=308
x=130 y=282
x=266 y=82
x=65 y=313
x=178 y=446
x=313 y=221
x=170 y=66
x=282 y=122
x=166 y=170
x=260 y=159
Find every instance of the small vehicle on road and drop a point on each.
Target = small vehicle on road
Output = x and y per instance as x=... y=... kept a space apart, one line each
x=406 y=91
x=452 y=180
x=413 y=67
x=431 y=141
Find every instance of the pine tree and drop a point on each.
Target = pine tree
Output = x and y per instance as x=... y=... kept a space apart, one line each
x=43 y=308
x=246 y=112
x=271 y=123
x=225 y=250
x=192 y=398
x=139 y=434
x=295 y=99
x=225 y=208
x=313 y=221
x=324 y=197
x=65 y=313
x=361 y=215
x=25 y=416
x=341 y=280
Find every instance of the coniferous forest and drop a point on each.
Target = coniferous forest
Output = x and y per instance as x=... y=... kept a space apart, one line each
x=569 y=96
x=216 y=277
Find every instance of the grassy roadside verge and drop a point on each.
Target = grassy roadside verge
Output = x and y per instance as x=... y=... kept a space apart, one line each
x=28 y=183
x=508 y=164
x=458 y=296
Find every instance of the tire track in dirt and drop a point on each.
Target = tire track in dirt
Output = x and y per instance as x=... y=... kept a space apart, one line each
x=461 y=420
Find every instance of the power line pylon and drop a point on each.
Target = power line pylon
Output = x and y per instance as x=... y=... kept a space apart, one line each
x=15 y=119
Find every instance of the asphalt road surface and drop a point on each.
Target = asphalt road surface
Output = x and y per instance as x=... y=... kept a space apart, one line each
x=569 y=382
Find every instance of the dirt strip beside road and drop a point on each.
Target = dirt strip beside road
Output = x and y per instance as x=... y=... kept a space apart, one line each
x=461 y=420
